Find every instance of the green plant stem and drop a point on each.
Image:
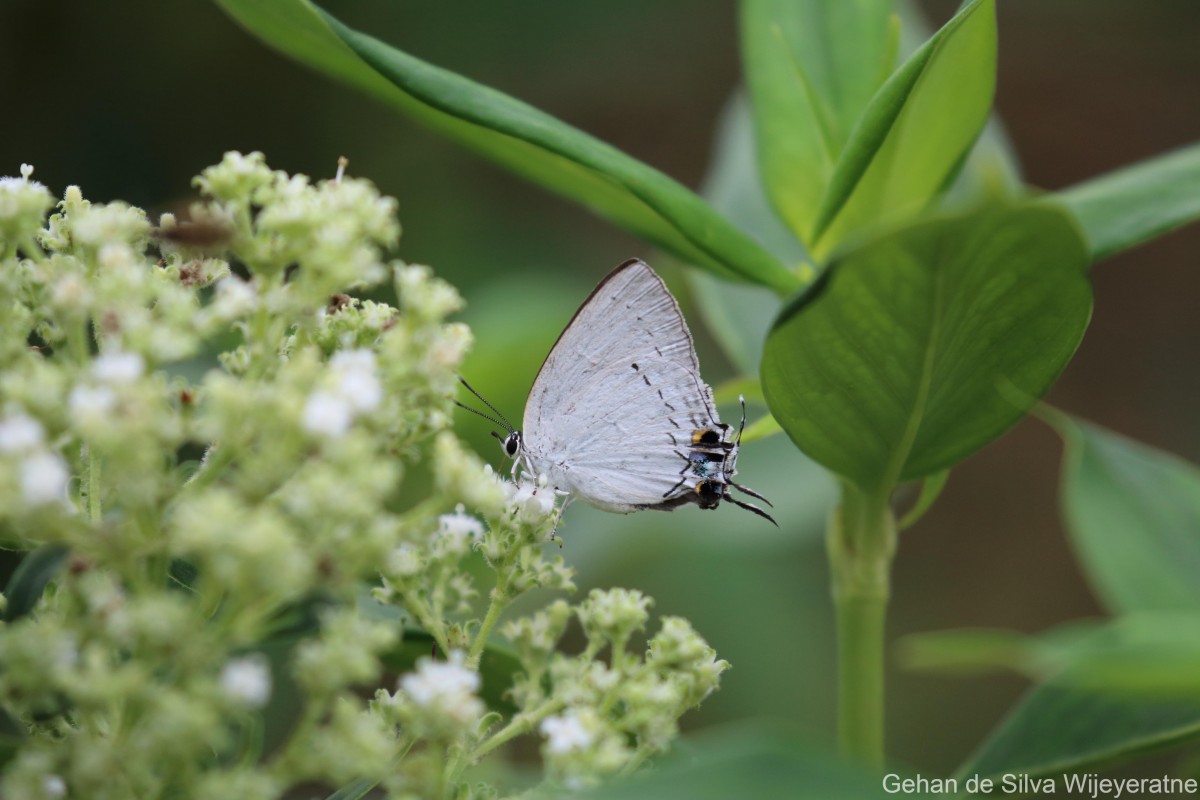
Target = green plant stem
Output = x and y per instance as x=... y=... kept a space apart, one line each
x=521 y=723
x=500 y=600
x=92 y=462
x=862 y=540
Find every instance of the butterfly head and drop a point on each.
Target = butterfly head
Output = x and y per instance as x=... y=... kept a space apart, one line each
x=511 y=444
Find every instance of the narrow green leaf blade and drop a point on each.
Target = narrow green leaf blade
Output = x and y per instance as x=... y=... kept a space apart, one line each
x=518 y=136
x=915 y=132
x=1133 y=513
x=355 y=790
x=903 y=360
x=811 y=67
x=1139 y=202
x=30 y=578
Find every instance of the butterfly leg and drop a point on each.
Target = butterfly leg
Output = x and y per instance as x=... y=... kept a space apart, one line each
x=554 y=537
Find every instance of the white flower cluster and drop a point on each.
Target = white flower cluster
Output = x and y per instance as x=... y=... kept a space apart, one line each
x=40 y=473
x=209 y=439
x=351 y=388
x=443 y=695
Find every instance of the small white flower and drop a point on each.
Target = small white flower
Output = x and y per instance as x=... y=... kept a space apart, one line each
x=565 y=734
x=457 y=531
x=116 y=256
x=233 y=297
x=446 y=688
x=404 y=561
x=53 y=786
x=44 y=478
x=327 y=414
x=533 y=502
x=91 y=401
x=117 y=367
x=247 y=680
x=355 y=378
x=437 y=680
x=19 y=432
x=71 y=292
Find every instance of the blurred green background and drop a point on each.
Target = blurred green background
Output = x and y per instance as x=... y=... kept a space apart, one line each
x=130 y=99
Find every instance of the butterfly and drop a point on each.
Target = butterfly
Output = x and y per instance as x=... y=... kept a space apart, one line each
x=618 y=415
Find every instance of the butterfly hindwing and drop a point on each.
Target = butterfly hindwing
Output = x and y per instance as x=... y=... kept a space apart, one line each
x=619 y=399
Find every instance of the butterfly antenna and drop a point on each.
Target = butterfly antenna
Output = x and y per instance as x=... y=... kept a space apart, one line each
x=753 y=509
x=751 y=492
x=505 y=424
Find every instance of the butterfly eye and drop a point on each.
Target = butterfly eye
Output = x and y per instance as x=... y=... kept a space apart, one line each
x=512 y=443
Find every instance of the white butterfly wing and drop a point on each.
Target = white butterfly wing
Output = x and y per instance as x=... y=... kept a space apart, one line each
x=616 y=404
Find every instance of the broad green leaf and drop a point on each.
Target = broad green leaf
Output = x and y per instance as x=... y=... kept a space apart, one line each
x=1138 y=202
x=920 y=347
x=1133 y=514
x=751 y=766
x=913 y=136
x=1062 y=726
x=29 y=580
x=811 y=67
x=518 y=136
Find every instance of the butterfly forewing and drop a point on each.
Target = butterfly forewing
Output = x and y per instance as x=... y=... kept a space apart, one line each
x=619 y=399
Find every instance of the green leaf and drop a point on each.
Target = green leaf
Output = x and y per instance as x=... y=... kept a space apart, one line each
x=738 y=315
x=1133 y=514
x=12 y=736
x=1113 y=689
x=973 y=650
x=29 y=580
x=355 y=790
x=747 y=765
x=927 y=343
x=1138 y=202
x=497 y=666
x=1062 y=726
x=518 y=136
x=913 y=136
x=811 y=67
x=931 y=490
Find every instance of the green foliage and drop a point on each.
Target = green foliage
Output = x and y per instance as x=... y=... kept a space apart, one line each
x=1133 y=513
x=1137 y=203
x=809 y=92
x=1111 y=690
x=518 y=136
x=1063 y=727
x=916 y=130
x=895 y=366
